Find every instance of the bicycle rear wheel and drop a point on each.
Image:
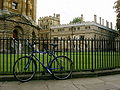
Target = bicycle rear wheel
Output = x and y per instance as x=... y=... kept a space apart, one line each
x=24 y=68
x=61 y=67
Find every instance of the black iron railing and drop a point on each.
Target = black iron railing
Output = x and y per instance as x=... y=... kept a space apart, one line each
x=86 y=54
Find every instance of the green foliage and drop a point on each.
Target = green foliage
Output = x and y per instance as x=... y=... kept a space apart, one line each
x=76 y=20
x=117 y=7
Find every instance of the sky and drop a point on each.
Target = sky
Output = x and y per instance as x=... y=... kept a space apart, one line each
x=69 y=9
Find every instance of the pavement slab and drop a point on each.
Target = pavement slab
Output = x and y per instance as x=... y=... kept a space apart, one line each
x=110 y=78
x=111 y=82
x=61 y=85
x=101 y=86
x=1 y=83
x=84 y=81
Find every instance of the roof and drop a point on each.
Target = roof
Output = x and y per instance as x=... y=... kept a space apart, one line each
x=83 y=24
x=6 y=15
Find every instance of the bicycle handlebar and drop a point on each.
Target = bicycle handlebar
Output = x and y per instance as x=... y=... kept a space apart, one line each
x=45 y=46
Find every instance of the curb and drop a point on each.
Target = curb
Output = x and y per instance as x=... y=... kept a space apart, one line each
x=74 y=75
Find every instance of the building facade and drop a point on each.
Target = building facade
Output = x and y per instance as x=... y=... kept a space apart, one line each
x=24 y=7
x=92 y=29
x=82 y=30
x=17 y=19
x=46 y=23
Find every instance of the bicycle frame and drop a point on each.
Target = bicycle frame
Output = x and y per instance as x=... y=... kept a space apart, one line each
x=36 y=58
x=50 y=53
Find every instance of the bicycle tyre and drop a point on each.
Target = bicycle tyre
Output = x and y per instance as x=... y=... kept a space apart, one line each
x=24 y=68
x=61 y=67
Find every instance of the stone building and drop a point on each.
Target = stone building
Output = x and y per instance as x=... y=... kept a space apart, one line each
x=82 y=30
x=46 y=23
x=78 y=31
x=92 y=29
x=23 y=7
x=17 y=19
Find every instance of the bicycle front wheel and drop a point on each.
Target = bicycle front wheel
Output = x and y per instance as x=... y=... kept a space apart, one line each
x=24 y=68
x=61 y=67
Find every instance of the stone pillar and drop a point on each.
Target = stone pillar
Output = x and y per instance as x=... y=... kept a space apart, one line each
x=29 y=8
x=34 y=6
x=1 y=4
x=24 y=7
x=5 y=5
x=20 y=7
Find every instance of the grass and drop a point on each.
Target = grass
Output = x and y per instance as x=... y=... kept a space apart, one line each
x=81 y=60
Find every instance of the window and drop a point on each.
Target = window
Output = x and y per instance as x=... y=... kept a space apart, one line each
x=46 y=36
x=14 y=5
x=55 y=38
x=82 y=37
x=30 y=12
x=41 y=36
x=33 y=35
x=78 y=28
x=52 y=30
x=87 y=27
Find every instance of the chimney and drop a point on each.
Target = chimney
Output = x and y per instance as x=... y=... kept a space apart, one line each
x=100 y=20
x=82 y=17
x=111 y=26
x=54 y=14
x=106 y=23
x=103 y=22
x=95 y=18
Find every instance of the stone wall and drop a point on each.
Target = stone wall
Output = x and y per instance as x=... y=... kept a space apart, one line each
x=24 y=31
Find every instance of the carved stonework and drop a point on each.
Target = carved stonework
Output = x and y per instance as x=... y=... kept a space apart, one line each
x=17 y=26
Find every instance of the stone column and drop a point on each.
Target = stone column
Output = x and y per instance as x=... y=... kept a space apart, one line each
x=23 y=7
x=5 y=5
x=20 y=7
x=28 y=12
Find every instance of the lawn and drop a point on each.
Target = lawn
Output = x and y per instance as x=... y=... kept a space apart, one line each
x=81 y=60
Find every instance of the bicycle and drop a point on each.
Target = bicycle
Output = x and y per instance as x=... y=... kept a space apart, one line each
x=25 y=67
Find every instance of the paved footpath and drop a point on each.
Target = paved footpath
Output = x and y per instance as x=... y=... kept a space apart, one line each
x=111 y=82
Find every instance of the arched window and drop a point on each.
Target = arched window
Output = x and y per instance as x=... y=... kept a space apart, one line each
x=18 y=32
x=15 y=34
x=33 y=35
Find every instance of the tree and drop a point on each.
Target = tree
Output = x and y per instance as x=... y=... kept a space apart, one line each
x=76 y=20
x=117 y=7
